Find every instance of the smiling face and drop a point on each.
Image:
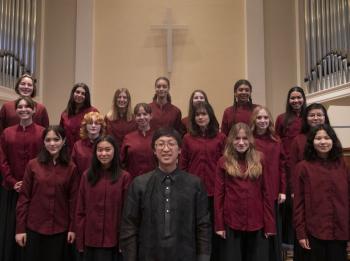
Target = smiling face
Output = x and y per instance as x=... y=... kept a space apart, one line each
x=53 y=143
x=202 y=118
x=198 y=97
x=105 y=153
x=143 y=118
x=167 y=151
x=93 y=127
x=79 y=95
x=296 y=100
x=241 y=142
x=162 y=89
x=322 y=143
x=243 y=93
x=24 y=110
x=26 y=87
x=122 y=100
x=315 y=117
x=262 y=121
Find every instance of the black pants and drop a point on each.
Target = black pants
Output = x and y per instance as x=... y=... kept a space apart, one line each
x=275 y=241
x=101 y=254
x=9 y=250
x=246 y=246
x=327 y=250
x=217 y=242
x=45 y=247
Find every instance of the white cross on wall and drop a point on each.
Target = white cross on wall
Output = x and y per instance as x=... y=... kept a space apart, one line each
x=170 y=28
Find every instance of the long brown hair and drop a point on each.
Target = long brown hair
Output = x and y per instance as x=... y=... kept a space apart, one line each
x=114 y=113
x=252 y=156
x=271 y=129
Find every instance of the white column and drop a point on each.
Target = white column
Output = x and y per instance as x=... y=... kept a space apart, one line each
x=255 y=52
x=84 y=42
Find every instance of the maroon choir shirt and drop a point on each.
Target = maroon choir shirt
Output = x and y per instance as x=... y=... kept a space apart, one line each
x=233 y=115
x=288 y=133
x=119 y=128
x=99 y=209
x=8 y=115
x=166 y=115
x=275 y=163
x=136 y=154
x=72 y=124
x=322 y=199
x=46 y=203
x=296 y=154
x=242 y=204
x=185 y=123
x=199 y=156
x=19 y=146
x=82 y=155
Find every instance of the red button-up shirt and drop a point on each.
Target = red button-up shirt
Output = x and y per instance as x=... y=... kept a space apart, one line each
x=46 y=203
x=82 y=155
x=136 y=154
x=72 y=125
x=99 y=209
x=233 y=115
x=8 y=115
x=119 y=128
x=242 y=204
x=199 y=156
x=322 y=199
x=296 y=154
x=275 y=163
x=19 y=145
x=166 y=115
x=288 y=133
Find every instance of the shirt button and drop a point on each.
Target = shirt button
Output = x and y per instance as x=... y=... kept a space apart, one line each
x=167 y=211
x=166 y=187
x=167 y=200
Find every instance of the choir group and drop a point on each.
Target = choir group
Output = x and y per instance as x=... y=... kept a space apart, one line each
x=117 y=187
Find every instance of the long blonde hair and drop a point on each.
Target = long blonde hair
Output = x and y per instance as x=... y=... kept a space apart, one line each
x=252 y=156
x=114 y=113
x=271 y=129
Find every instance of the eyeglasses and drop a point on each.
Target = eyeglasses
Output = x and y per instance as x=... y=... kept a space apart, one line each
x=170 y=145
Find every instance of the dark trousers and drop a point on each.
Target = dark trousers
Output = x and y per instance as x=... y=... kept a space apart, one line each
x=286 y=210
x=9 y=250
x=275 y=241
x=101 y=254
x=246 y=246
x=327 y=250
x=45 y=247
x=217 y=243
x=299 y=253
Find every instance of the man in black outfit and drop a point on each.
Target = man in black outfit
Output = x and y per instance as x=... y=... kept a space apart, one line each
x=166 y=211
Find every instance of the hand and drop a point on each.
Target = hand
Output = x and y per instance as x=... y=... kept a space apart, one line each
x=18 y=186
x=267 y=235
x=21 y=239
x=304 y=243
x=221 y=233
x=281 y=198
x=70 y=237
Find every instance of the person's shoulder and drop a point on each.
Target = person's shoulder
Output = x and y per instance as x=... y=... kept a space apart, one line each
x=281 y=116
x=142 y=180
x=228 y=110
x=8 y=105
x=221 y=135
x=190 y=178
